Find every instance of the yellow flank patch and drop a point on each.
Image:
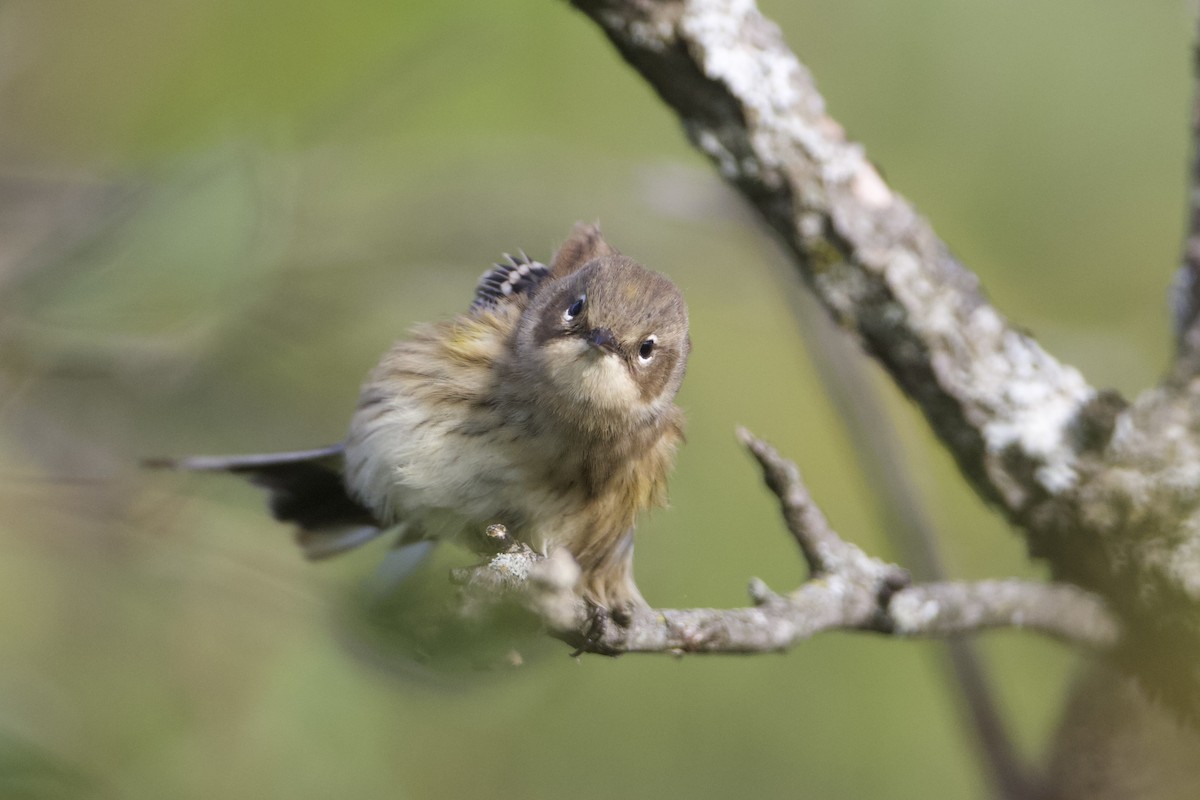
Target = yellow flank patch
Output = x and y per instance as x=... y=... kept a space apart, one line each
x=472 y=340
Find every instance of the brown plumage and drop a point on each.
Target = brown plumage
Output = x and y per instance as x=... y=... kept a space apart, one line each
x=547 y=407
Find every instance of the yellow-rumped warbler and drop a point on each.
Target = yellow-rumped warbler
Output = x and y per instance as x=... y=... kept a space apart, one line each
x=548 y=407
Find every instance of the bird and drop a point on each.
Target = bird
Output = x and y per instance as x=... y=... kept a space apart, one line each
x=548 y=407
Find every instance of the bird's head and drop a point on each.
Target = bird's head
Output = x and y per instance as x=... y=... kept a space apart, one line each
x=608 y=342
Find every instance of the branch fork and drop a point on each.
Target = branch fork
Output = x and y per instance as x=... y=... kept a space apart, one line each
x=846 y=590
x=1105 y=491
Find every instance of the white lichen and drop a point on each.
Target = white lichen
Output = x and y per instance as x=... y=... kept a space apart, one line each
x=654 y=35
x=711 y=144
x=1017 y=393
x=766 y=78
x=513 y=566
x=912 y=613
x=869 y=188
x=1031 y=400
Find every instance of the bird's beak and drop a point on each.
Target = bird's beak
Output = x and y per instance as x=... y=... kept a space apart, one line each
x=602 y=339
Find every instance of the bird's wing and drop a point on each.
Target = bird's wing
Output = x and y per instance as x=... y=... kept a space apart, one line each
x=504 y=282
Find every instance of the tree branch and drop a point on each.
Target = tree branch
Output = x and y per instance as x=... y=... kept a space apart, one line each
x=846 y=590
x=1106 y=492
x=881 y=457
x=1002 y=405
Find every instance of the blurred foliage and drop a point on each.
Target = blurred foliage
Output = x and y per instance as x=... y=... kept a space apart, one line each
x=215 y=215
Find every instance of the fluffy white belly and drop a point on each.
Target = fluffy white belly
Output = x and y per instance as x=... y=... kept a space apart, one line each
x=435 y=471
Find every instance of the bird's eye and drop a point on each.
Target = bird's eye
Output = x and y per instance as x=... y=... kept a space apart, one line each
x=574 y=309
x=646 y=351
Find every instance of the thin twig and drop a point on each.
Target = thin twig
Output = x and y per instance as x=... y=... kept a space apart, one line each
x=823 y=550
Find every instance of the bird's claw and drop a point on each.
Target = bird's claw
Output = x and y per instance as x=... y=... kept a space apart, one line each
x=593 y=634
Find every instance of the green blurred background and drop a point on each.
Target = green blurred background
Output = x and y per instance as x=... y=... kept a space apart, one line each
x=214 y=216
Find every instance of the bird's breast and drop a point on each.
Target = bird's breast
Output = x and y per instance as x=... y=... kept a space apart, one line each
x=437 y=440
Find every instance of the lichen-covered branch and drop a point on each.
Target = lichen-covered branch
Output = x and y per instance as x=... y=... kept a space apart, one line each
x=1004 y=407
x=1107 y=492
x=846 y=590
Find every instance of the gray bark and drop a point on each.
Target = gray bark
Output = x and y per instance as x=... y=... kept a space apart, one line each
x=1107 y=492
x=846 y=590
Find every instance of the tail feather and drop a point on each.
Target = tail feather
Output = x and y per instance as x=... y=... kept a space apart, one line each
x=305 y=488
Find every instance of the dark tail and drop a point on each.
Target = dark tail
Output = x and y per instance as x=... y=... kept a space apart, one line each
x=305 y=488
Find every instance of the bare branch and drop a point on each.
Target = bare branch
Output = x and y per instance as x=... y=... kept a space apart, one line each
x=1057 y=609
x=848 y=590
x=824 y=551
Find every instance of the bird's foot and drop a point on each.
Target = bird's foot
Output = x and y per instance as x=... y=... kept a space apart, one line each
x=597 y=624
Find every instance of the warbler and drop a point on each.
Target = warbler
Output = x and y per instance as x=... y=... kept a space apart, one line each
x=548 y=407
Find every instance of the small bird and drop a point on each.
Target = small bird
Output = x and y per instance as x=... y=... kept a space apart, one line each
x=548 y=407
